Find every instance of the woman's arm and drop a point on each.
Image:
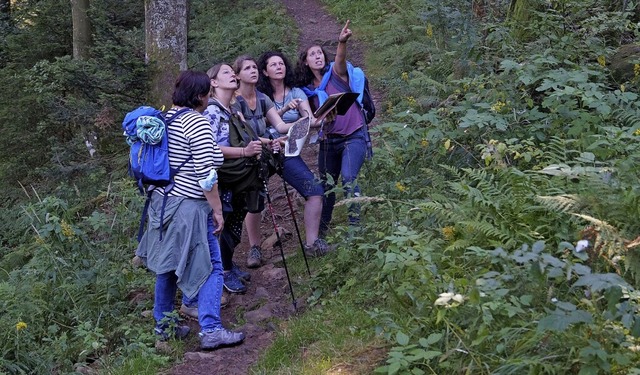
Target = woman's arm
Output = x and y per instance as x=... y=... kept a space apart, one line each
x=340 y=66
x=276 y=121
x=305 y=111
x=252 y=149
x=214 y=201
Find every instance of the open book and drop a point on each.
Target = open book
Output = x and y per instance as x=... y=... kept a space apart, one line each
x=297 y=135
x=341 y=102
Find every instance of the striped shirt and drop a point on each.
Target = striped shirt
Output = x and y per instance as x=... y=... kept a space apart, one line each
x=191 y=137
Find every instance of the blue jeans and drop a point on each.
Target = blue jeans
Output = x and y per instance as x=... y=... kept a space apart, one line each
x=341 y=156
x=297 y=174
x=208 y=298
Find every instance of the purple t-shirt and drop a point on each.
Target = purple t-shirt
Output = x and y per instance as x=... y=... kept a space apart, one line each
x=352 y=120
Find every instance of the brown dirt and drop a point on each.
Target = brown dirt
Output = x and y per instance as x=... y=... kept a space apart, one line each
x=268 y=301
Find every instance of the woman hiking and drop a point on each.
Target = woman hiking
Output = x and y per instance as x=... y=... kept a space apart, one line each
x=189 y=216
x=256 y=109
x=276 y=81
x=343 y=141
x=240 y=198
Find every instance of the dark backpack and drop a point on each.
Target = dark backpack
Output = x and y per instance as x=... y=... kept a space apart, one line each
x=147 y=135
x=368 y=106
x=240 y=174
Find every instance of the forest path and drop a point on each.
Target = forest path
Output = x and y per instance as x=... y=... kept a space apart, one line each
x=267 y=301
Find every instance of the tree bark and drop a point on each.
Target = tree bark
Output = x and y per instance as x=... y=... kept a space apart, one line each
x=81 y=29
x=166 y=29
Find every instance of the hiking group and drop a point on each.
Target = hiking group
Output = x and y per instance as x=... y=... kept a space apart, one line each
x=224 y=137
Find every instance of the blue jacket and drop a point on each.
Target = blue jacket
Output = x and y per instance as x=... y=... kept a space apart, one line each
x=356 y=82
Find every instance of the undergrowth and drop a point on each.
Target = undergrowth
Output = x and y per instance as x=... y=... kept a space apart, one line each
x=501 y=234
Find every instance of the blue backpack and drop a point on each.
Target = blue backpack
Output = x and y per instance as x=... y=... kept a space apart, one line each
x=145 y=129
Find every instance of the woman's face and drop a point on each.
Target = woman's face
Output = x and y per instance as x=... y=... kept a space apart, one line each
x=315 y=58
x=226 y=79
x=275 y=68
x=249 y=72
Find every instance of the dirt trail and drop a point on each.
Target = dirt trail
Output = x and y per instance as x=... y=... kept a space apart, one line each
x=267 y=299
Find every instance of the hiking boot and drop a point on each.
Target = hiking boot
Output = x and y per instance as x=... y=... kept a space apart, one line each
x=233 y=284
x=179 y=332
x=319 y=248
x=244 y=276
x=219 y=337
x=189 y=312
x=254 y=260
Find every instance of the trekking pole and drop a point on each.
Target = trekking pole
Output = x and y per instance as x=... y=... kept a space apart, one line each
x=265 y=180
x=293 y=215
x=280 y=172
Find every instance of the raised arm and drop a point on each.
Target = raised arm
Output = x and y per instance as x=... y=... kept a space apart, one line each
x=340 y=66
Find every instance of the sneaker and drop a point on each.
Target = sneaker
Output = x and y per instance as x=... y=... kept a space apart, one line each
x=244 y=276
x=179 y=332
x=233 y=284
x=189 y=312
x=254 y=260
x=219 y=337
x=319 y=248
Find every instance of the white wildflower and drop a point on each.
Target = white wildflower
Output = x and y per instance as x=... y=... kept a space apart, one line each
x=582 y=245
x=445 y=299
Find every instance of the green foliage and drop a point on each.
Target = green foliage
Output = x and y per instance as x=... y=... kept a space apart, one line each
x=498 y=133
x=236 y=28
x=67 y=303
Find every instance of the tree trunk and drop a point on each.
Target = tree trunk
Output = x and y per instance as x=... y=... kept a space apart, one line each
x=81 y=29
x=5 y=8
x=166 y=28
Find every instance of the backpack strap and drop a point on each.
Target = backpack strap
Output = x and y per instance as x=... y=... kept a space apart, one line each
x=254 y=118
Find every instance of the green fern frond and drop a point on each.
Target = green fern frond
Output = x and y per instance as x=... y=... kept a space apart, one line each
x=564 y=203
x=627 y=118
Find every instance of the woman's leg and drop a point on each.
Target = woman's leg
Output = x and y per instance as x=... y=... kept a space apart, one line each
x=165 y=293
x=299 y=176
x=229 y=239
x=329 y=164
x=252 y=221
x=211 y=291
x=353 y=156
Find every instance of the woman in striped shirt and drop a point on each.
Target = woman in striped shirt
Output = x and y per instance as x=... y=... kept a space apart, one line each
x=180 y=244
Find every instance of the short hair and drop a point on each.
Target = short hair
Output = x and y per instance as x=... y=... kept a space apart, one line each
x=264 y=85
x=190 y=87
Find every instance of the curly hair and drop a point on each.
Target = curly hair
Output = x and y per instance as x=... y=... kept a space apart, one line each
x=264 y=84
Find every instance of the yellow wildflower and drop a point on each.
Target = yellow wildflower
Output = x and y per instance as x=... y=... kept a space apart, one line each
x=405 y=76
x=498 y=106
x=448 y=233
x=39 y=240
x=424 y=143
x=602 y=60
x=411 y=100
x=622 y=88
x=400 y=186
x=429 y=30
x=636 y=70
x=637 y=132
x=20 y=326
x=67 y=231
